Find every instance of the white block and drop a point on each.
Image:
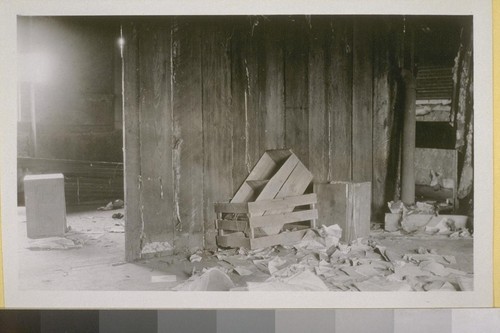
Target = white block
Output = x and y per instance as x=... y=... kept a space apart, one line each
x=45 y=205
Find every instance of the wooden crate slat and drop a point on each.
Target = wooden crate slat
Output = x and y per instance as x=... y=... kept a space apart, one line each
x=276 y=182
x=232 y=225
x=264 y=169
x=256 y=184
x=278 y=220
x=259 y=207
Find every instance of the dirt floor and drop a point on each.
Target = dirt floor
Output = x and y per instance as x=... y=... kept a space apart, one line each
x=91 y=257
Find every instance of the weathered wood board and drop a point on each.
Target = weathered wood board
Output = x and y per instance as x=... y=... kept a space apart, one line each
x=339 y=97
x=155 y=121
x=296 y=88
x=217 y=122
x=319 y=130
x=362 y=102
x=187 y=124
x=346 y=204
x=132 y=155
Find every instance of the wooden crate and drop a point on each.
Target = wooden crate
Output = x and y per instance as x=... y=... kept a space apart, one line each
x=241 y=224
x=268 y=202
x=278 y=174
x=347 y=204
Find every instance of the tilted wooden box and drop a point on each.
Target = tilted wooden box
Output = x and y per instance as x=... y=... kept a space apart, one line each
x=269 y=201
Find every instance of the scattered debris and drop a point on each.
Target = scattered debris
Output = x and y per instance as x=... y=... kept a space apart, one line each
x=301 y=281
x=321 y=262
x=445 y=226
x=116 y=230
x=156 y=247
x=195 y=258
x=117 y=216
x=213 y=279
x=121 y=263
x=116 y=204
x=53 y=243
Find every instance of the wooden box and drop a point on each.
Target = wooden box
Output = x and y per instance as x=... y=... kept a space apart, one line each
x=347 y=204
x=45 y=205
x=267 y=200
x=243 y=224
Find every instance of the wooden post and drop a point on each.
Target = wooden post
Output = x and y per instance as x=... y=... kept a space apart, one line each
x=132 y=152
x=408 y=157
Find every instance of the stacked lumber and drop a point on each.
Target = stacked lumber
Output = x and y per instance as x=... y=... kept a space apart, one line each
x=270 y=207
x=84 y=181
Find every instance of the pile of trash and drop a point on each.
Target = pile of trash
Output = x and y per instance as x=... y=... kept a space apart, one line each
x=320 y=262
x=425 y=217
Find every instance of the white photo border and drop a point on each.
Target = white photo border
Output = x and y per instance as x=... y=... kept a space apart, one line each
x=482 y=296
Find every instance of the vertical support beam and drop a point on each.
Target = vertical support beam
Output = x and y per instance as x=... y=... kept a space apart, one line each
x=188 y=134
x=339 y=98
x=362 y=101
x=296 y=89
x=217 y=122
x=384 y=85
x=131 y=134
x=409 y=124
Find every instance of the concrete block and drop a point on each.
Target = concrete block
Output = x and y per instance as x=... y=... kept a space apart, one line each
x=45 y=205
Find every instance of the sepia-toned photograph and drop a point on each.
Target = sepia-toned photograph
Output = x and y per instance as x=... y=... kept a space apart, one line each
x=247 y=153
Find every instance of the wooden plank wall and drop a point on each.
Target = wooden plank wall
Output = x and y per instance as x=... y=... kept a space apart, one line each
x=188 y=133
x=155 y=126
x=217 y=122
x=206 y=97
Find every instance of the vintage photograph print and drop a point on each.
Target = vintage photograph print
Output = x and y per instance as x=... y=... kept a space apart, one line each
x=312 y=156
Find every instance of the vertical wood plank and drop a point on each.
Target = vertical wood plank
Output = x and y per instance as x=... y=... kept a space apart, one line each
x=296 y=89
x=245 y=100
x=319 y=129
x=339 y=98
x=132 y=155
x=157 y=204
x=383 y=117
x=188 y=134
x=271 y=85
x=362 y=101
x=217 y=122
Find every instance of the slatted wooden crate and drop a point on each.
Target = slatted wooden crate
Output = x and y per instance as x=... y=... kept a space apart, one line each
x=242 y=224
x=269 y=201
